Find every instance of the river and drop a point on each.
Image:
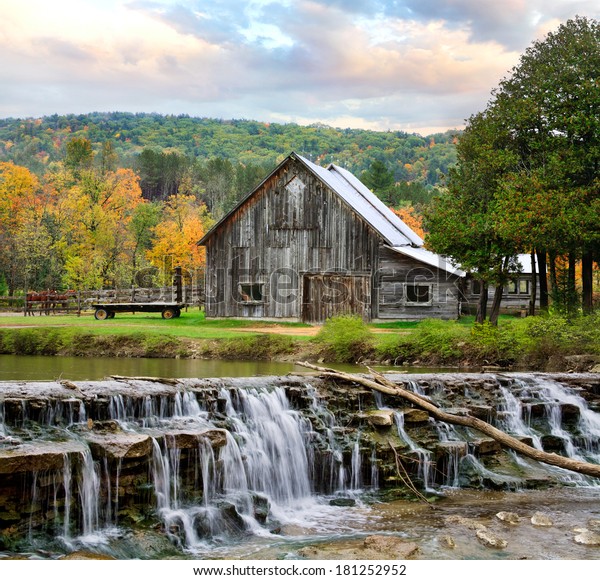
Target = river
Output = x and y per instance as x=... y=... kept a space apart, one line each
x=44 y=368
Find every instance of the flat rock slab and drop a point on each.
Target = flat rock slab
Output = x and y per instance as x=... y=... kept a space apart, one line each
x=119 y=445
x=39 y=456
x=190 y=439
x=377 y=547
x=381 y=418
x=415 y=416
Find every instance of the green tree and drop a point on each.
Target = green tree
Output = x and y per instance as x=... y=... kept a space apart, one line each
x=379 y=179
x=79 y=154
x=144 y=219
x=551 y=109
x=528 y=166
x=461 y=220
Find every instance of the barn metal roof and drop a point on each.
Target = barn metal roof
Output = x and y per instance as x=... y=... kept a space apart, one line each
x=398 y=235
x=357 y=195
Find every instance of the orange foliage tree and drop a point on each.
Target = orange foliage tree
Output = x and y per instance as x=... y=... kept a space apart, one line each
x=411 y=218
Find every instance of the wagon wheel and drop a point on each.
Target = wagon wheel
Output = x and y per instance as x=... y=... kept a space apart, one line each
x=169 y=313
x=101 y=314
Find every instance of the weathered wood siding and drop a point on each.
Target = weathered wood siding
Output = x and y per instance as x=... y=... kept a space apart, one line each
x=397 y=272
x=293 y=226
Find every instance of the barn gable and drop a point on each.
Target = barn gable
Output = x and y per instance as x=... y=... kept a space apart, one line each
x=307 y=244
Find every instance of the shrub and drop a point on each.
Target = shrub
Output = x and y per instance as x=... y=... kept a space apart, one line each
x=497 y=344
x=346 y=338
x=440 y=341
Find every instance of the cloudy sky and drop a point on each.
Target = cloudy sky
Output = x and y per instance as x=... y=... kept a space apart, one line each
x=414 y=65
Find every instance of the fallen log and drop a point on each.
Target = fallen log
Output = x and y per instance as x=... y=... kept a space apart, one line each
x=387 y=387
x=161 y=380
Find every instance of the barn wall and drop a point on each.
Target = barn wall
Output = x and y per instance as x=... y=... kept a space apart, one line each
x=293 y=226
x=397 y=274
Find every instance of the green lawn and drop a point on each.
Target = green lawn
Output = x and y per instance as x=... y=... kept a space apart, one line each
x=191 y=324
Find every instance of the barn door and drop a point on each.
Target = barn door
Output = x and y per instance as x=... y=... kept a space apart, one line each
x=327 y=295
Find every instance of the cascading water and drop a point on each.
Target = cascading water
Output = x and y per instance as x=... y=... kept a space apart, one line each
x=215 y=464
x=423 y=457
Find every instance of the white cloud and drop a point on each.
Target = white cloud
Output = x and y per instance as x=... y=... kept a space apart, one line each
x=342 y=63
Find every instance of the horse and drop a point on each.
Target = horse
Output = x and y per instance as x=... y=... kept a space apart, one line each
x=33 y=298
x=48 y=301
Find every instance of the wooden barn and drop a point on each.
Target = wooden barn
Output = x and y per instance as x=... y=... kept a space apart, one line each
x=312 y=242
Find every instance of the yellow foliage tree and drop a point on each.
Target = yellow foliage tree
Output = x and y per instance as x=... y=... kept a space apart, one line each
x=98 y=210
x=19 y=204
x=184 y=222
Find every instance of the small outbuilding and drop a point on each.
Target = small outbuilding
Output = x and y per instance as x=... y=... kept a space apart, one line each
x=312 y=242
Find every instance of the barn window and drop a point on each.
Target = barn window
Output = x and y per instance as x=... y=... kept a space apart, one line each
x=418 y=294
x=476 y=287
x=523 y=286
x=513 y=287
x=252 y=292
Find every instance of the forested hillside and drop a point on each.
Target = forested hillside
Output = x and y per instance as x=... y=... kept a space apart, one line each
x=35 y=143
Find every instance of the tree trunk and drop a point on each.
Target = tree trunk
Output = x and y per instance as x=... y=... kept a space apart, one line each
x=572 y=302
x=384 y=385
x=553 y=277
x=482 y=303
x=587 y=281
x=543 y=280
x=533 y=287
x=496 y=304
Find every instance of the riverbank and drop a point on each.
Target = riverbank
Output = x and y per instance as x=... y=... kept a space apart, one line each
x=541 y=343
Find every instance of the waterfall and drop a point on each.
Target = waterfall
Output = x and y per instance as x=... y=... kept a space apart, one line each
x=2 y=428
x=273 y=444
x=423 y=456
x=356 y=473
x=212 y=464
x=374 y=469
x=66 y=476
x=88 y=487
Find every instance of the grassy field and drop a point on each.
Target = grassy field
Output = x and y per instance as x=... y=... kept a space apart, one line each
x=191 y=324
x=537 y=343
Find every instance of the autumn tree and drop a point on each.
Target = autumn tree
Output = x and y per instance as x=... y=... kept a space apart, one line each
x=412 y=219
x=19 y=207
x=99 y=209
x=184 y=221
